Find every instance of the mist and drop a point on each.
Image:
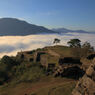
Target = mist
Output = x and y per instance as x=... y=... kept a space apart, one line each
x=10 y=45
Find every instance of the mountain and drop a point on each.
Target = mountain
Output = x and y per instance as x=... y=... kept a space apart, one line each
x=16 y=27
x=64 y=30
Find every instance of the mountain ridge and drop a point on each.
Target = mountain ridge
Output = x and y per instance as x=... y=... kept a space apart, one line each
x=64 y=30
x=17 y=27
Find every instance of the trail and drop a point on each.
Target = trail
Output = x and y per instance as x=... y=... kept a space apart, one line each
x=28 y=88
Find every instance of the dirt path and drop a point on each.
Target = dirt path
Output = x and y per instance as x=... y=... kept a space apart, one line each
x=27 y=88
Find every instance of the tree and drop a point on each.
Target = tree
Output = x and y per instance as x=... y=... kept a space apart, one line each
x=87 y=49
x=56 y=40
x=74 y=43
x=9 y=62
x=88 y=46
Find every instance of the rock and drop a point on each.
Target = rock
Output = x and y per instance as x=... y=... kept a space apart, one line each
x=86 y=85
x=73 y=72
x=76 y=93
x=90 y=70
x=85 y=63
x=91 y=56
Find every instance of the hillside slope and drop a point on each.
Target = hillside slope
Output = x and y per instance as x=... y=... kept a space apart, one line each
x=46 y=86
x=13 y=26
x=46 y=71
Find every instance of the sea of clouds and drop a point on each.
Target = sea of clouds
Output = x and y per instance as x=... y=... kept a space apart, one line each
x=10 y=45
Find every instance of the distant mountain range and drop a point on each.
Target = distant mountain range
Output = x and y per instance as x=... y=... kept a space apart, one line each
x=64 y=30
x=16 y=27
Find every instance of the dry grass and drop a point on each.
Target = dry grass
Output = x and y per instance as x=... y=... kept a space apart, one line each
x=43 y=87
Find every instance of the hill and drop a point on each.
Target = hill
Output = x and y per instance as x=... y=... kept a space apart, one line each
x=45 y=71
x=16 y=27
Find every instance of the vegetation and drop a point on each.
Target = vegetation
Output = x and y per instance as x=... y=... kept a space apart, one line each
x=87 y=47
x=56 y=41
x=30 y=73
x=6 y=65
x=80 y=50
x=12 y=70
x=74 y=43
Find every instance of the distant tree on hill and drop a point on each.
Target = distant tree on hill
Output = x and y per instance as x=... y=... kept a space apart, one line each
x=88 y=46
x=74 y=43
x=87 y=49
x=56 y=40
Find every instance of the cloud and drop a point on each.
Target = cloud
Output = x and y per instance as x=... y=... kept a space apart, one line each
x=48 y=13
x=10 y=45
x=6 y=48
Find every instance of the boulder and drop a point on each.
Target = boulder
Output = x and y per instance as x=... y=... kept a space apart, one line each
x=85 y=63
x=90 y=70
x=86 y=85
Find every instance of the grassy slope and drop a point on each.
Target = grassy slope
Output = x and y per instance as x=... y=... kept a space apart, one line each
x=61 y=50
x=46 y=86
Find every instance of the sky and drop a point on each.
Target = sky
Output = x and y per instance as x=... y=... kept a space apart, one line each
x=70 y=14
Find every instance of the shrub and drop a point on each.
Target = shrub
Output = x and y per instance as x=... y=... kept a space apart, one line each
x=3 y=73
x=29 y=74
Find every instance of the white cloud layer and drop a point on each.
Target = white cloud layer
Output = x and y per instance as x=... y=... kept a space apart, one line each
x=10 y=45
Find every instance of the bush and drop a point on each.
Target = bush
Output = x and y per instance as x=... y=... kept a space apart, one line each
x=29 y=72
x=6 y=65
x=9 y=61
x=87 y=49
x=3 y=73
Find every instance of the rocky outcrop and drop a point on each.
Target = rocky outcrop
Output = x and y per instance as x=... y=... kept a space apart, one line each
x=86 y=63
x=86 y=85
x=91 y=56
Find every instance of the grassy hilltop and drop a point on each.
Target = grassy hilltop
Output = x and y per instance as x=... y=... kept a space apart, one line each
x=52 y=70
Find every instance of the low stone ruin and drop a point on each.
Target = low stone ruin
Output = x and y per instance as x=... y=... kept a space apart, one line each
x=37 y=56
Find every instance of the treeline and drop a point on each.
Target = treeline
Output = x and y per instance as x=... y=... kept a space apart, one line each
x=80 y=49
